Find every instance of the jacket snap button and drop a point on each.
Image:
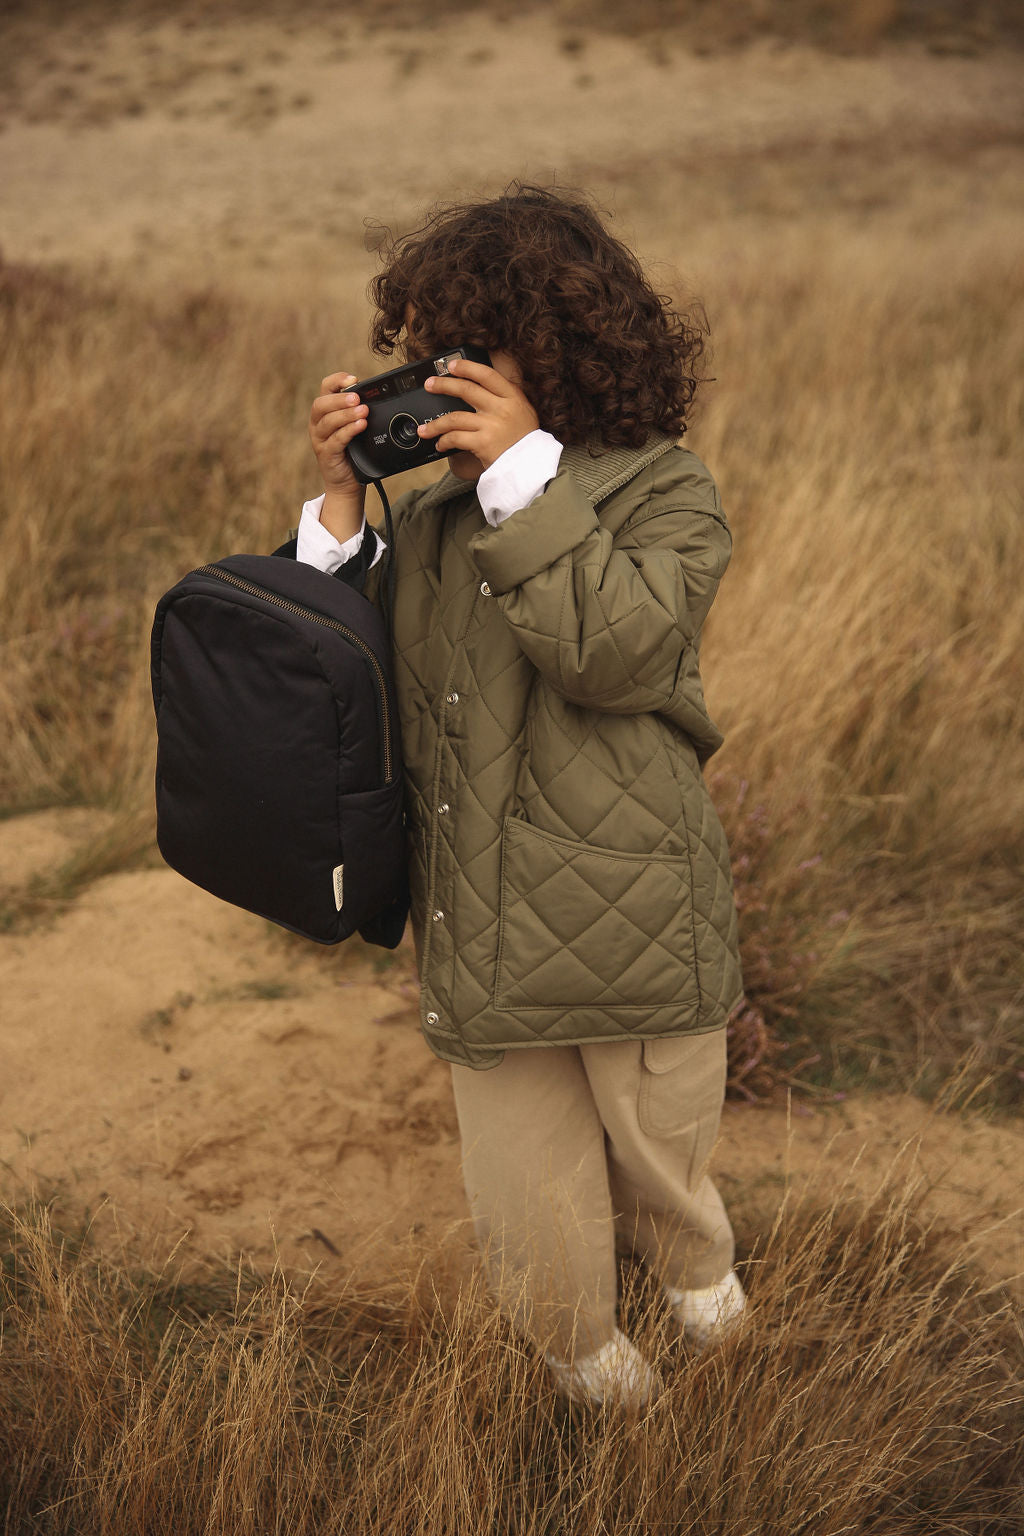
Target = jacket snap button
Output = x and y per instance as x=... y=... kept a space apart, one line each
x=438 y=916
x=432 y=1018
x=443 y=808
x=485 y=589
x=452 y=698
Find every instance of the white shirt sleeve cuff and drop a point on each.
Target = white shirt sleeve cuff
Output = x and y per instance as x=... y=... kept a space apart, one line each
x=518 y=476
x=316 y=546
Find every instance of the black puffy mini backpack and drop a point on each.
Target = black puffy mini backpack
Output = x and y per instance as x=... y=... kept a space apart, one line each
x=279 y=774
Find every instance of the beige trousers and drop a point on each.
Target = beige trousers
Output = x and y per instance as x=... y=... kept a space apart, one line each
x=565 y=1147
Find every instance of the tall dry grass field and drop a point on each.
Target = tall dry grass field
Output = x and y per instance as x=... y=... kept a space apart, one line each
x=872 y=1388
x=866 y=650
x=863 y=658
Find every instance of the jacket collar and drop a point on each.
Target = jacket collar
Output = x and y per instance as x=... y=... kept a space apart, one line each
x=598 y=472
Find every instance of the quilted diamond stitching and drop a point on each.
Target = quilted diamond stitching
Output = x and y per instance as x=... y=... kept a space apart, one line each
x=572 y=944
x=481 y=755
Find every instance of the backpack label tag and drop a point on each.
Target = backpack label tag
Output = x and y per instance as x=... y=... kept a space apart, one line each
x=339 y=886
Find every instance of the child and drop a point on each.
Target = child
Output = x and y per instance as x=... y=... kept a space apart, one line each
x=571 y=895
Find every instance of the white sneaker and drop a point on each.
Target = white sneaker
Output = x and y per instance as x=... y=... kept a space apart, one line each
x=709 y=1313
x=616 y=1374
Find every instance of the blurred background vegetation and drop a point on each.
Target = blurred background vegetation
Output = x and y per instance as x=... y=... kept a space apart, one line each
x=863 y=658
x=845 y=25
x=864 y=422
x=186 y=241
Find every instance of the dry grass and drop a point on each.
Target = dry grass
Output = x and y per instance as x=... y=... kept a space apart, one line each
x=864 y=655
x=138 y=437
x=865 y=651
x=872 y=1388
x=960 y=26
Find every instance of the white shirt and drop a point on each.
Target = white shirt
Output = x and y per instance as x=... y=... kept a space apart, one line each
x=515 y=479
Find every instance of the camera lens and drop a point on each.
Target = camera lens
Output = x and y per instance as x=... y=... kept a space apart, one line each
x=402 y=431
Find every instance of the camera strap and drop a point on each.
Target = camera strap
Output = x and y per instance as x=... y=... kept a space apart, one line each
x=388 y=585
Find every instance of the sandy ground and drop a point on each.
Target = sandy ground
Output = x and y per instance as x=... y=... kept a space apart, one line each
x=259 y=147
x=181 y=1070
x=176 y=1066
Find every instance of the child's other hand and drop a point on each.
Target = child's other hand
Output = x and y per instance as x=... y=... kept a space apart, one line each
x=336 y=418
x=501 y=413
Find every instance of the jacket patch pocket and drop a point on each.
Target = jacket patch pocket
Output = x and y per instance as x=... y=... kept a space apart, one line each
x=585 y=927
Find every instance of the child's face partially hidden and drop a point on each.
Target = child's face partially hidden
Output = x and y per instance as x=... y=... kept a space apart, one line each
x=464 y=466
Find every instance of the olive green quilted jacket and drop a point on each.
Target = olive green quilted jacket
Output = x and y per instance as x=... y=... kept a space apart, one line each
x=570 y=878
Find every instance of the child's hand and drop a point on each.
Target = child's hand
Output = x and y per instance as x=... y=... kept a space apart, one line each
x=501 y=413
x=336 y=418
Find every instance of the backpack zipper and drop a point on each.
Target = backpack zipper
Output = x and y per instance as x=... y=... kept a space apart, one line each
x=320 y=618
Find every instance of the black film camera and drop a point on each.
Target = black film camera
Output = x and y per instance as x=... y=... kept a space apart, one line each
x=398 y=405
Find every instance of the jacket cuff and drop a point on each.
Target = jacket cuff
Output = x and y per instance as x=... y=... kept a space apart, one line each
x=524 y=545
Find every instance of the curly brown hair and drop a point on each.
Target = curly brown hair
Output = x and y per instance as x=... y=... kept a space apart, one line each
x=534 y=272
